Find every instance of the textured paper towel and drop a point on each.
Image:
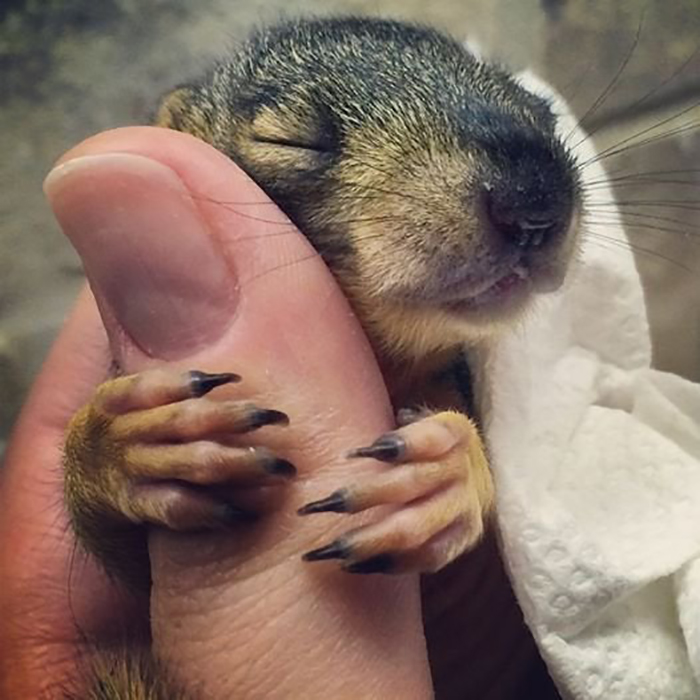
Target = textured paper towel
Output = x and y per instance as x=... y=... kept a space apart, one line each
x=597 y=465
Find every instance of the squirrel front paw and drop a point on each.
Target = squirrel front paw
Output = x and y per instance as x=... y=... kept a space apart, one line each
x=440 y=485
x=151 y=449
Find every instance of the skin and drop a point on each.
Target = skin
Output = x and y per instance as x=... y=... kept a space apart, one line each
x=39 y=640
x=214 y=593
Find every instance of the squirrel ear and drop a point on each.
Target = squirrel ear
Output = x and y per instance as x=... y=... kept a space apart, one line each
x=180 y=111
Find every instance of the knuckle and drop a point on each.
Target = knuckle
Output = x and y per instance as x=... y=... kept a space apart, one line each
x=104 y=395
x=169 y=512
x=203 y=453
x=188 y=418
x=407 y=534
x=209 y=461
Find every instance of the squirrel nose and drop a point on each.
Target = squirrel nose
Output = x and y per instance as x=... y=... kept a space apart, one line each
x=527 y=225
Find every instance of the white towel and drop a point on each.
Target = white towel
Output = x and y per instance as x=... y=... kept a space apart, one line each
x=597 y=465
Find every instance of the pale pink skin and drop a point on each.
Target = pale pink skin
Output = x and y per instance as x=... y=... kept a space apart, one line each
x=243 y=614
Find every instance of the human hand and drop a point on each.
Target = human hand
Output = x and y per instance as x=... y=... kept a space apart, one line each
x=187 y=272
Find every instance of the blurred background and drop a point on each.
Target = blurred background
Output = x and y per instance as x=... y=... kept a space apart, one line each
x=70 y=68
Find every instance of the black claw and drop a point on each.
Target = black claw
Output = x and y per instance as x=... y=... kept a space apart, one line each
x=337 y=502
x=202 y=383
x=266 y=416
x=338 y=549
x=280 y=467
x=381 y=564
x=388 y=448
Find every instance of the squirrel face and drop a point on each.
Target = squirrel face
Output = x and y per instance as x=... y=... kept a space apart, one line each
x=433 y=185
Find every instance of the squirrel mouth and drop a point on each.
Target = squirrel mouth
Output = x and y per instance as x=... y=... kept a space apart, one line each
x=504 y=287
x=508 y=289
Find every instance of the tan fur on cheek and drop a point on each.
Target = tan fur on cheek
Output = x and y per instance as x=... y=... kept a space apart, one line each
x=409 y=209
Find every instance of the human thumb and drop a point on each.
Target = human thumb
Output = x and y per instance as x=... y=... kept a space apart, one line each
x=192 y=265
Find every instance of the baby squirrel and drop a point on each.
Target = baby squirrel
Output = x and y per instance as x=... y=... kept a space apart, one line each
x=436 y=190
